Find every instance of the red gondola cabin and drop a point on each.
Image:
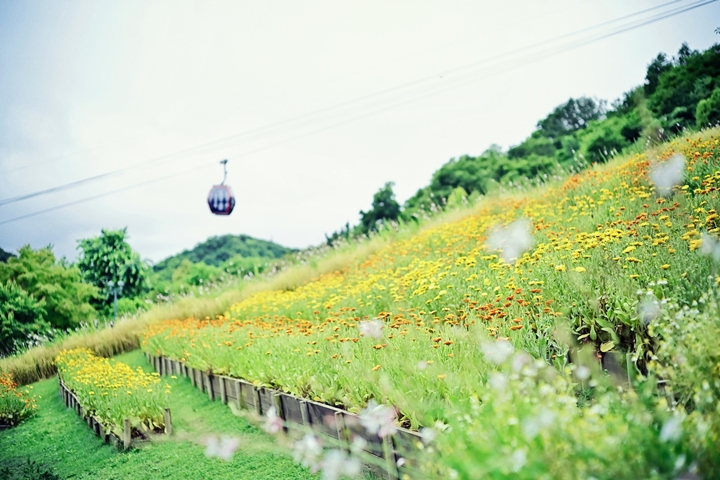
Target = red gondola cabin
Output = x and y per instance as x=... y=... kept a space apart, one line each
x=221 y=199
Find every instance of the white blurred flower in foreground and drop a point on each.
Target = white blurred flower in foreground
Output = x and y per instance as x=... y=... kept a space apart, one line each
x=537 y=423
x=649 y=309
x=428 y=435
x=582 y=373
x=710 y=246
x=498 y=381
x=358 y=444
x=307 y=451
x=273 y=423
x=518 y=460
x=337 y=463
x=520 y=360
x=671 y=429
x=513 y=240
x=497 y=352
x=378 y=419
x=371 y=328
x=223 y=447
x=667 y=174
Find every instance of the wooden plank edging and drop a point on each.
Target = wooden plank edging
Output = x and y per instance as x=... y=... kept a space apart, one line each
x=387 y=448
x=98 y=428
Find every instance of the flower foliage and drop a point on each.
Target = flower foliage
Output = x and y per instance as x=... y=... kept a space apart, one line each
x=438 y=318
x=15 y=404
x=113 y=391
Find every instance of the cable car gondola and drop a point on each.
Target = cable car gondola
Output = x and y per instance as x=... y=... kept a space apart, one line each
x=221 y=199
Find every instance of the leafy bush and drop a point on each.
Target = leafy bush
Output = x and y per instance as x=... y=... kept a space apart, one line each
x=21 y=316
x=688 y=362
x=109 y=258
x=66 y=297
x=708 y=110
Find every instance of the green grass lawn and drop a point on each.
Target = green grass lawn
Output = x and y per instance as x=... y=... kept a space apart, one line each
x=56 y=442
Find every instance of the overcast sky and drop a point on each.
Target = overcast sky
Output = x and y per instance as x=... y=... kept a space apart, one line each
x=317 y=104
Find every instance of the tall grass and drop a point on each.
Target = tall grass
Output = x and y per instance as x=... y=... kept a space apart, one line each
x=38 y=362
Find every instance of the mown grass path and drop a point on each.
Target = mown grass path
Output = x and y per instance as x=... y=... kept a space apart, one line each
x=58 y=442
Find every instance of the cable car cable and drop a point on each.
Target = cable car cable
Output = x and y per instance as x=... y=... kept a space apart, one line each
x=297 y=118
x=32 y=214
x=341 y=123
x=259 y=130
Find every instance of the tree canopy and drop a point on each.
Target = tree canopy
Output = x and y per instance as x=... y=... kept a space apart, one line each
x=66 y=297
x=110 y=258
x=384 y=208
x=21 y=315
x=678 y=92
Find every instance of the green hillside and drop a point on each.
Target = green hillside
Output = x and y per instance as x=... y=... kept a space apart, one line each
x=214 y=259
x=217 y=250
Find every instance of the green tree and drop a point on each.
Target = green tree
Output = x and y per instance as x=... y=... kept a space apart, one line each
x=572 y=115
x=66 y=296
x=384 y=207
x=657 y=67
x=692 y=77
x=110 y=258
x=602 y=139
x=21 y=315
x=4 y=256
x=708 y=110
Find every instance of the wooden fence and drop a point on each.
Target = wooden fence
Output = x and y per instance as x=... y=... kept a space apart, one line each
x=322 y=420
x=108 y=436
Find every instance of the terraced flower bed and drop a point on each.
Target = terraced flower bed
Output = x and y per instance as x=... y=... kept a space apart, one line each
x=16 y=404
x=118 y=402
x=485 y=314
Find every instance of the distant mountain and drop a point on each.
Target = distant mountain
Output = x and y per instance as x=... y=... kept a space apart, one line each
x=4 y=256
x=216 y=250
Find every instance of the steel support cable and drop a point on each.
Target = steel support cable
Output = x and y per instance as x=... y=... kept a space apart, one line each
x=532 y=59
x=417 y=83
x=184 y=172
x=275 y=125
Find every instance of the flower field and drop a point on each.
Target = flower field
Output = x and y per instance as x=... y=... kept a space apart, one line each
x=493 y=324
x=112 y=391
x=15 y=404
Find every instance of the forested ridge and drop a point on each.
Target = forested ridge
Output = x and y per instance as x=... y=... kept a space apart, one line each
x=680 y=92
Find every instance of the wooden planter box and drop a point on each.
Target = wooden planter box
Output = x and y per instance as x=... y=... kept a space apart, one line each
x=322 y=419
x=108 y=436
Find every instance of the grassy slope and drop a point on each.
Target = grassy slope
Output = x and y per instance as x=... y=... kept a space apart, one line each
x=38 y=362
x=57 y=440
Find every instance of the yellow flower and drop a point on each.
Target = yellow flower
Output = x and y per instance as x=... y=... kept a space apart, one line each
x=579 y=269
x=665 y=266
x=559 y=268
x=376 y=368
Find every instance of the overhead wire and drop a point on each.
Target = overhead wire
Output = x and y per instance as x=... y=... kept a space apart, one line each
x=535 y=57
x=274 y=125
x=259 y=131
